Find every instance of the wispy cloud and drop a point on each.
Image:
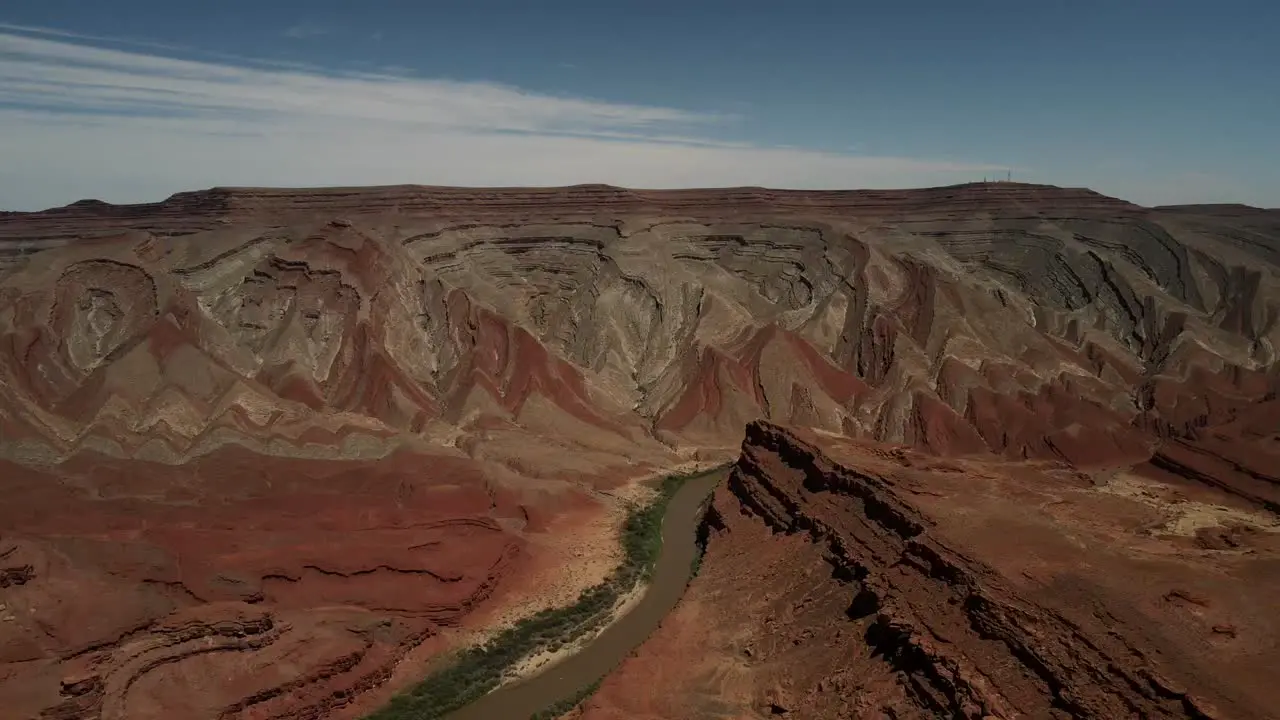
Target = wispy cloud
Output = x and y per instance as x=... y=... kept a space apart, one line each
x=78 y=119
x=305 y=30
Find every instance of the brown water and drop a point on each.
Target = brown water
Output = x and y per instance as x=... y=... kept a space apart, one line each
x=519 y=700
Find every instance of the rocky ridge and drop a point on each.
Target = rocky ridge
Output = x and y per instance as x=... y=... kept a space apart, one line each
x=888 y=583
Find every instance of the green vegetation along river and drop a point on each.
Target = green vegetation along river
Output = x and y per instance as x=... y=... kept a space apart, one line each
x=659 y=544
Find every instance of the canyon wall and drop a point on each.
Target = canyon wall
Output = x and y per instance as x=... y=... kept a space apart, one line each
x=849 y=579
x=245 y=418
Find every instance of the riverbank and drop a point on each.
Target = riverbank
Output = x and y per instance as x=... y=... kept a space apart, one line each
x=475 y=672
x=547 y=658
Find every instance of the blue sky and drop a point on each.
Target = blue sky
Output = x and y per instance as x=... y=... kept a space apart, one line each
x=132 y=100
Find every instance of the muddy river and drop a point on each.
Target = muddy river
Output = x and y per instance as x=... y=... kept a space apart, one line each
x=519 y=700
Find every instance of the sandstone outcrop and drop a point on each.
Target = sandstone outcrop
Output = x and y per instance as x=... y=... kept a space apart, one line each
x=889 y=583
x=292 y=405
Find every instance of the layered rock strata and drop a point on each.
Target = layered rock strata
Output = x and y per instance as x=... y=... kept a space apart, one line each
x=882 y=582
x=291 y=405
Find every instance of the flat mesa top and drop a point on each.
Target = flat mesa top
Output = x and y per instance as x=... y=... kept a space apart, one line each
x=188 y=212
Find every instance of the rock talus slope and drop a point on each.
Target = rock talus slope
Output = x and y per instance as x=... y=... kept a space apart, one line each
x=347 y=427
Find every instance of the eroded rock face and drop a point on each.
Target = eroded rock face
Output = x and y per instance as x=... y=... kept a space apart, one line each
x=929 y=317
x=500 y=355
x=98 y=308
x=846 y=579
